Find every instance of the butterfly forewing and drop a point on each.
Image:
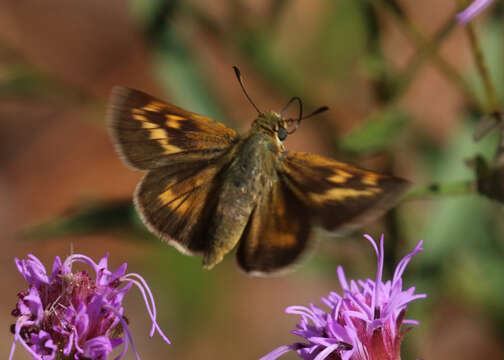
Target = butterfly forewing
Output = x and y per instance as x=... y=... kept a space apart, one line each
x=151 y=133
x=184 y=152
x=338 y=194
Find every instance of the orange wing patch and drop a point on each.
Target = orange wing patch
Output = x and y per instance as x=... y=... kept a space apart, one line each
x=174 y=121
x=176 y=203
x=174 y=195
x=336 y=194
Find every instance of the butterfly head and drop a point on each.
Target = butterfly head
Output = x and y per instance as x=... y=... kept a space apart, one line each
x=274 y=124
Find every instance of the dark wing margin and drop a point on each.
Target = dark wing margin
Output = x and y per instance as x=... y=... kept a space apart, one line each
x=339 y=195
x=276 y=235
x=176 y=203
x=149 y=133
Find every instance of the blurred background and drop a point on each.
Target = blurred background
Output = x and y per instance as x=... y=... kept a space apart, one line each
x=404 y=95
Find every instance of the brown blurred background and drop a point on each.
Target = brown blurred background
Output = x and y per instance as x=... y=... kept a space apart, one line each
x=394 y=108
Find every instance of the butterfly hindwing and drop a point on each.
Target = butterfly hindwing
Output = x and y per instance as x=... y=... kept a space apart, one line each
x=310 y=190
x=177 y=202
x=277 y=233
x=338 y=194
x=150 y=133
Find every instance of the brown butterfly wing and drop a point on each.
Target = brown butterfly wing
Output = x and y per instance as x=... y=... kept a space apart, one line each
x=185 y=154
x=277 y=233
x=177 y=203
x=309 y=190
x=338 y=194
x=150 y=133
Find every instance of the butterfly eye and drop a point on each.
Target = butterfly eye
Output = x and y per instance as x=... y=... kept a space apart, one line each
x=282 y=133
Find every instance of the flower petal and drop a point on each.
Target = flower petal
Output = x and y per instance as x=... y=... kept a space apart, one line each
x=275 y=354
x=473 y=10
x=326 y=352
x=97 y=348
x=32 y=270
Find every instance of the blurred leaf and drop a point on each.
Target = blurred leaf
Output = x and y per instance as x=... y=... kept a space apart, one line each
x=277 y=9
x=479 y=276
x=23 y=80
x=258 y=46
x=377 y=132
x=342 y=38
x=490 y=39
x=452 y=226
x=180 y=75
x=165 y=12
x=394 y=6
x=153 y=13
x=457 y=222
x=90 y=219
x=193 y=291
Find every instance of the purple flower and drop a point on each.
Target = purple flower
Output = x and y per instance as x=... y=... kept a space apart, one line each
x=362 y=324
x=68 y=315
x=472 y=10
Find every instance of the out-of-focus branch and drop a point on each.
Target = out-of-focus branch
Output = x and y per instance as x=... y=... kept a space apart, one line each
x=428 y=49
x=442 y=190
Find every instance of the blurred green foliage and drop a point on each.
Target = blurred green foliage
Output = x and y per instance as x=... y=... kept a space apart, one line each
x=377 y=132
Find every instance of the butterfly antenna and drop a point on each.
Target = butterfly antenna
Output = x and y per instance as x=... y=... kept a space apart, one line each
x=240 y=81
x=301 y=117
x=316 y=112
x=298 y=120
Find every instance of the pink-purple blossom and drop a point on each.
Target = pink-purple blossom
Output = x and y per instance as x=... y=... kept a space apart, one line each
x=473 y=10
x=364 y=323
x=66 y=315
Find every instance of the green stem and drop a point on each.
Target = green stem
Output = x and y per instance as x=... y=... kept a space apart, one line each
x=494 y=108
x=441 y=190
x=479 y=59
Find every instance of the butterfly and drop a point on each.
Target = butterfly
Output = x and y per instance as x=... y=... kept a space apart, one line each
x=208 y=189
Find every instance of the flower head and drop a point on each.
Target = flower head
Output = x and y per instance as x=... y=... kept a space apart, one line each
x=473 y=10
x=362 y=324
x=66 y=315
